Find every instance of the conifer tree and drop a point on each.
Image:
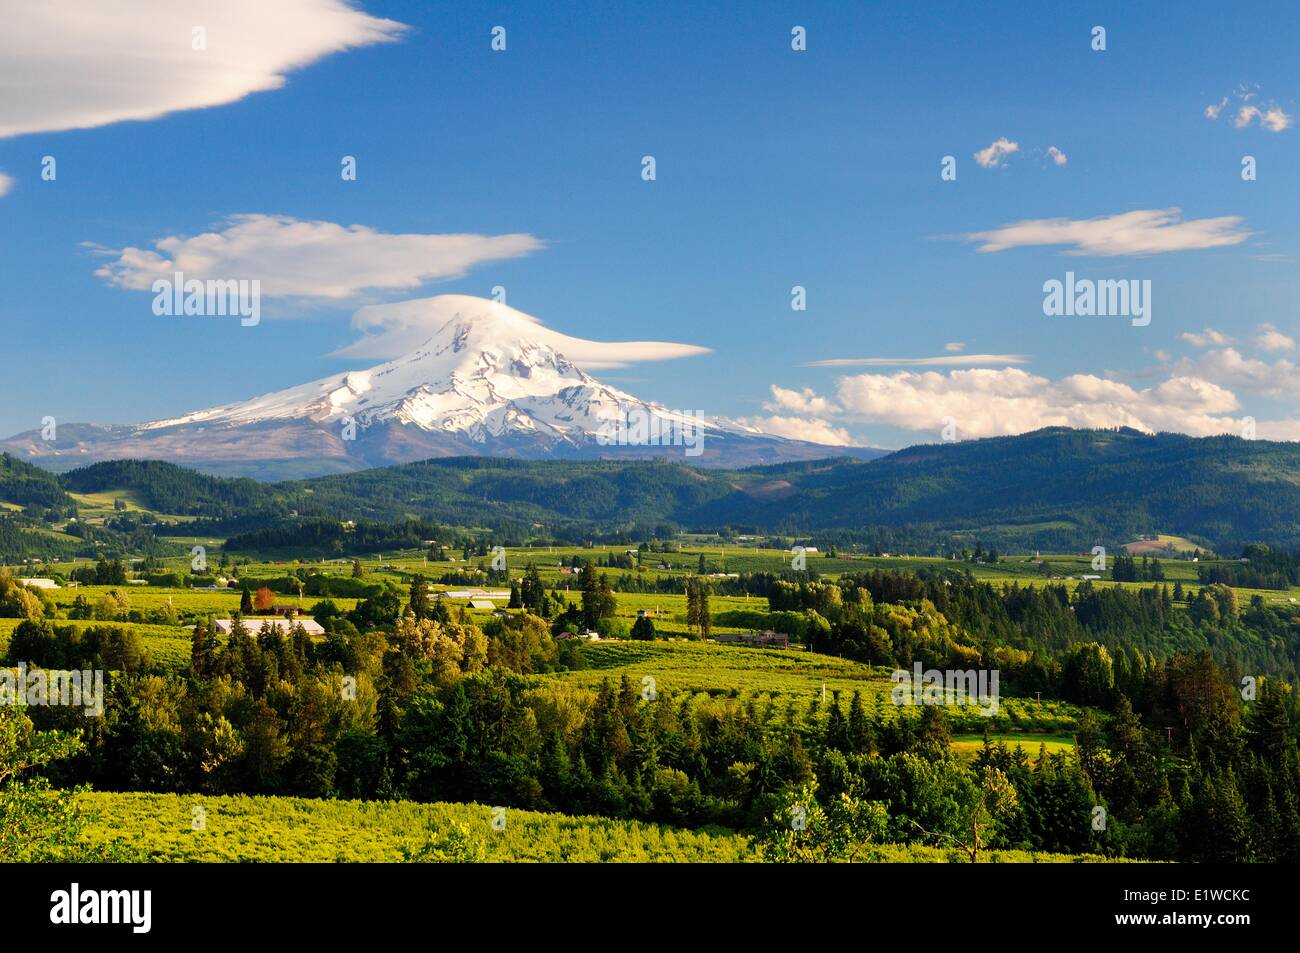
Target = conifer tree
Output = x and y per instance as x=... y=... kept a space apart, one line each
x=419 y=605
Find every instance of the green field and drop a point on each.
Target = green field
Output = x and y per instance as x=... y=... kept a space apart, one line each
x=968 y=746
x=296 y=830
x=1161 y=544
x=168 y=646
x=731 y=671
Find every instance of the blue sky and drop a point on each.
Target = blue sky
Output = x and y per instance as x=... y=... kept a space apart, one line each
x=775 y=168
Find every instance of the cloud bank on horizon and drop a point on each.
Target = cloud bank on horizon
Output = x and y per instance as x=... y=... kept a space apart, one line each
x=1198 y=397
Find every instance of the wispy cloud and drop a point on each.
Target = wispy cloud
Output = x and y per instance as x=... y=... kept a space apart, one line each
x=1268 y=116
x=1142 y=232
x=943 y=360
x=1274 y=119
x=295 y=258
x=996 y=153
x=1057 y=156
x=78 y=64
x=6 y=183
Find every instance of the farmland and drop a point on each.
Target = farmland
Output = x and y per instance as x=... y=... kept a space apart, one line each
x=766 y=675
x=665 y=747
x=294 y=830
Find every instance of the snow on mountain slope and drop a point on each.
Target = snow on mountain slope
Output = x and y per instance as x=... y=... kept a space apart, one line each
x=487 y=370
x=487 y=379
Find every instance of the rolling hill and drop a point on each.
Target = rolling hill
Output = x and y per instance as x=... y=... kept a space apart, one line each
x=1054 y=489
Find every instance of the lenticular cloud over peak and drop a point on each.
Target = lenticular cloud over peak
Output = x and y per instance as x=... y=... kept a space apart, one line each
x=391 y=330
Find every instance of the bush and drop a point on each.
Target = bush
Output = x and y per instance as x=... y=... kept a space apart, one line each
x=613 y=628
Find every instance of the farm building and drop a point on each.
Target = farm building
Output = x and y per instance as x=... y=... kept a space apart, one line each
x=253 y=625
x=476 y=594
x=40 y=583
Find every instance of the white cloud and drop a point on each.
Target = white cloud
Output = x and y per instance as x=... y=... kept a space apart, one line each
x=953 y=346
x=78 y=64
x=391 y=330
x=1270 y=116
x=996 y=153
x=1143 y=232
x=943 y=360
x=1271 y=339
x=1198 y=395
x=1207 y=338
x=802 y=428
x=1273 y=118
x=1278 y=379
x=6 y=183
x=1059 y=157
x=988 y=402
x=800 y=401
x=311 y=259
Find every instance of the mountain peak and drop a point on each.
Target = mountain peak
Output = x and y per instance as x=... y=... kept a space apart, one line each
x=472 y=376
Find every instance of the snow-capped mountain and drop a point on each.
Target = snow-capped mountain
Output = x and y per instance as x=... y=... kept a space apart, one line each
x=489 y=380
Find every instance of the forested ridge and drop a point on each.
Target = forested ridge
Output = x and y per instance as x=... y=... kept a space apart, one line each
x=1054 y=489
